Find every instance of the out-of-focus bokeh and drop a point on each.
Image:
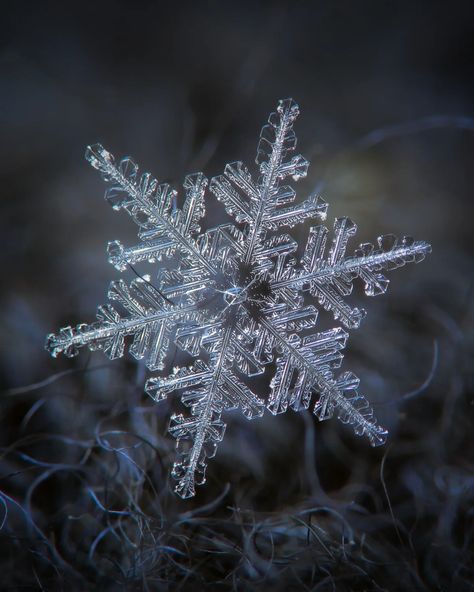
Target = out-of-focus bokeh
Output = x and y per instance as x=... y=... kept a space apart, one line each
x=387 y=121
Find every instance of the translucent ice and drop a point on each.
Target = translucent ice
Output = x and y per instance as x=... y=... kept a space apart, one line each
x=235 y=297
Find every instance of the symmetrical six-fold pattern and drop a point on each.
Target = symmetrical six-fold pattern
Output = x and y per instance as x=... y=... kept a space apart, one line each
x=235 y=297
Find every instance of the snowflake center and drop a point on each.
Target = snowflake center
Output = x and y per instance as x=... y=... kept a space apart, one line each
x=235 y=295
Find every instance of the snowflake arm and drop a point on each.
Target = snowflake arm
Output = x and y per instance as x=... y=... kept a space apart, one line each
x=259 y=205
x=218 y=389
x=149 y=319
x=331 y=278
x=312 y=359
x=163 y=229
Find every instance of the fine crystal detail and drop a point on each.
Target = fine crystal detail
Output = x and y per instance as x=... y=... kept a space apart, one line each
x=236 y=298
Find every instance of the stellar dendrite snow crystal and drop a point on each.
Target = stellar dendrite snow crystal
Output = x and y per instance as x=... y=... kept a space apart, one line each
x=236 y=298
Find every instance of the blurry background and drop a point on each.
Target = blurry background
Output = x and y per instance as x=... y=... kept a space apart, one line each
x=386 y=96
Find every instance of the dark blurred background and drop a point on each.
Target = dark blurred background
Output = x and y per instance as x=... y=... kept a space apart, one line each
x=386 y=94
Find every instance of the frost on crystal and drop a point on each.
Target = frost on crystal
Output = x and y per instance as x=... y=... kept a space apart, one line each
x=235 y=297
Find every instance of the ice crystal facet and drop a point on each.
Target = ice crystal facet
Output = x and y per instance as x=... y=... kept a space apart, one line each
x=235 y=297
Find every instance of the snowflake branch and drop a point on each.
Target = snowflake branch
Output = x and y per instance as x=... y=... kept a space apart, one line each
x=331 y=279
x=150 y=325
x=148 y=204
x=331 y=392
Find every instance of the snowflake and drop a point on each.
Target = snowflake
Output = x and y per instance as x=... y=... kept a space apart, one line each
x=236 y=298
